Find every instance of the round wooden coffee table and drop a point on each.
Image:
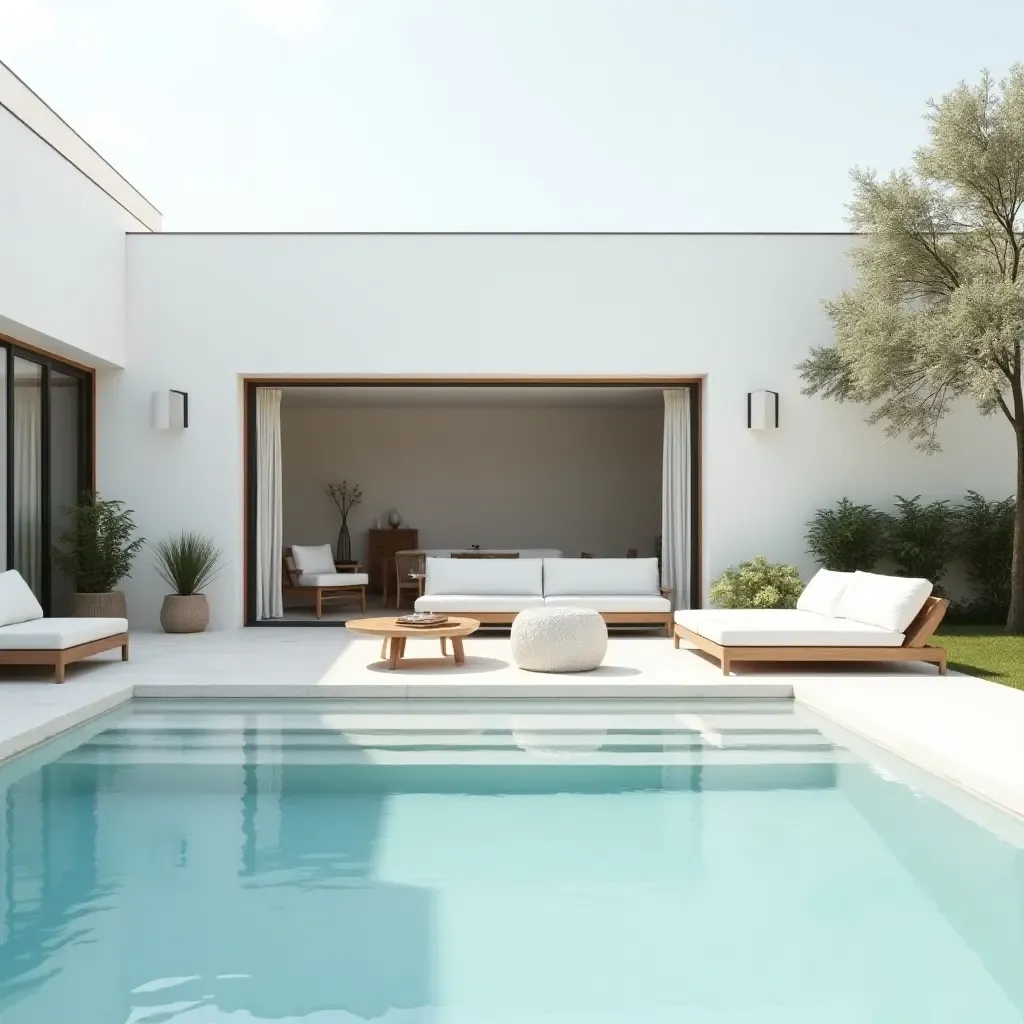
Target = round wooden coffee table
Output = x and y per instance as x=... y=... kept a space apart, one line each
x=454 y=629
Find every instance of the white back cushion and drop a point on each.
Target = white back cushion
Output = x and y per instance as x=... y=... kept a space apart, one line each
x=312 y=560
x=17 y=602
x=824 y=594
x=604 y=577
x=507 y=577
x=887 y=601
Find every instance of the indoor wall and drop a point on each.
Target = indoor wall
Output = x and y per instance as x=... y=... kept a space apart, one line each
x=572 y=478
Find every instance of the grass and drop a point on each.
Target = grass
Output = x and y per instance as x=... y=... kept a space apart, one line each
x=985 y=651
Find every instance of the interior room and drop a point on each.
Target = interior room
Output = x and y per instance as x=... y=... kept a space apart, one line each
x=462 y=471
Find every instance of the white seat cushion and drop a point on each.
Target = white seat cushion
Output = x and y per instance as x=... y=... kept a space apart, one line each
x=17 y=602
x=613 y=603
x=469 y=603
x=578 y=577
x=310 y=561
x=57 y=634
x=334 y=579
x=783 y=627
x=824 y=593
x=512 y=577
x=890 y=602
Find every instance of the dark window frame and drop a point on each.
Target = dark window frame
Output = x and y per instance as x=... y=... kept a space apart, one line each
x=695 y=386
x=85 y=460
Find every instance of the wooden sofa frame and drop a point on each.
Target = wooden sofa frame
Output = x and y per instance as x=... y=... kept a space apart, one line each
x=915 y=645
x=60 y=659
x=320 y=594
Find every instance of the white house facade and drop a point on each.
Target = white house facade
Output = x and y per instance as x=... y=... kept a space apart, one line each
x=92 y=289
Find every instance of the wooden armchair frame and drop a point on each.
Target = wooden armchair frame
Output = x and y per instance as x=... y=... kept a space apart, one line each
x=915 y=645
x=321 y=595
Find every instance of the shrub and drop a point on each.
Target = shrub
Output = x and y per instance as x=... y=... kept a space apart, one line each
x=920 y=538
x=99 y=546
x=847 y=537
x=188 y=562
x=757 y=584
x=983 y=538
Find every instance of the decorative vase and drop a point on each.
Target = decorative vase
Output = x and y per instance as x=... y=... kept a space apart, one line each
x=394 y=519
x=343 y=549
x=111 y=605
x=185 y=613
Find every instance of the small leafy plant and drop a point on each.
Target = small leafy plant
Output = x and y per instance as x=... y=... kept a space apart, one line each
x=757 y=584
x=188 y=562
x=920 y=537
x=97 y=549
x=847 y=537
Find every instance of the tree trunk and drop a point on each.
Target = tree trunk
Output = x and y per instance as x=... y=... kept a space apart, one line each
x=1015 y=618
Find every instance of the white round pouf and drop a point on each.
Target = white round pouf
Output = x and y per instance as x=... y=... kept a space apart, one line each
x=559 y=639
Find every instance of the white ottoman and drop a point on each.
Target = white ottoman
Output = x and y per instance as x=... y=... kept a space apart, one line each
x=559 y=639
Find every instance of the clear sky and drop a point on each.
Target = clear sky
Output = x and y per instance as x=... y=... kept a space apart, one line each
x=518 y=115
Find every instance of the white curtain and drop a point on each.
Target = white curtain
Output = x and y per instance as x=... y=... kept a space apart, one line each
x=269 y=530
x=675 y=498
x=28 y=509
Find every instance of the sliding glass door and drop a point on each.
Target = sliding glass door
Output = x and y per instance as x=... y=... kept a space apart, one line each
x=45 y=463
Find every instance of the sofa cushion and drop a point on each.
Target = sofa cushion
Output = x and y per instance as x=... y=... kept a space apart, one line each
x=504 y=577
x=310 y=560
x=469 y=603
x=824 y=593
x=17 y=602
x=890 y=602
x=579 y=577
x=783 y=627
x=613 y=603
x=58 y=634
x=334 y=579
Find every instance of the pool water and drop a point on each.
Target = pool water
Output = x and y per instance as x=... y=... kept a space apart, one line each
x=719 y=862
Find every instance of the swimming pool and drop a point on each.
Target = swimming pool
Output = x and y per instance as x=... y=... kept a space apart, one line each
x=199 y=862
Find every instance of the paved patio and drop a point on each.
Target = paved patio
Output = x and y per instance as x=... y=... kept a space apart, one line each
x=962 y=729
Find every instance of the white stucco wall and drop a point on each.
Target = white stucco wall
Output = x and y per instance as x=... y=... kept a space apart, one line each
x=204 y=310
x=62 y=234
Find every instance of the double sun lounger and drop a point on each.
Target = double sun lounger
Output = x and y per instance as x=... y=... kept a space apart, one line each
x=840 y=617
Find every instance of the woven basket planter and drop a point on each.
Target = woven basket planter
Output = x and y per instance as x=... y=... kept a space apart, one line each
x=189 y=614
x=100 y=606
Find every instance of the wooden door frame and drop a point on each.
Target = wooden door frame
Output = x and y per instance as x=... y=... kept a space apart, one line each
x=250 y=385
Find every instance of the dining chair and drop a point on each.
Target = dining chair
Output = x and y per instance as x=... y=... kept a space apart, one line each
x=410 y=570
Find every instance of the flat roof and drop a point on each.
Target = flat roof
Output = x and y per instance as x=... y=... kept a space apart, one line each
x=41 y=119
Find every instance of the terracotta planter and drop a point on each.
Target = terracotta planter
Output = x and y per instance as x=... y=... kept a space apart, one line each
x=188 y=614
x=100 y=606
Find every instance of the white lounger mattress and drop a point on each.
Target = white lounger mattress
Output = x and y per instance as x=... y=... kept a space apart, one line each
x=57 y=634
x=777 y=627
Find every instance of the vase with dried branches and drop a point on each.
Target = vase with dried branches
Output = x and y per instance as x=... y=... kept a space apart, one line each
x=345 y=496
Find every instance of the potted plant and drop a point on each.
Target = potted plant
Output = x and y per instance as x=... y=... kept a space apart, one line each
x=346 y=497
x=96 y=551
x=188 y=562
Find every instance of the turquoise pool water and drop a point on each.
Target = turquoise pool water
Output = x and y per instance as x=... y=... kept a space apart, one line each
x=709 y=862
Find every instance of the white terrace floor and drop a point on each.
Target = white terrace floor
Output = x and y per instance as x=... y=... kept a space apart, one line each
x=962 y=729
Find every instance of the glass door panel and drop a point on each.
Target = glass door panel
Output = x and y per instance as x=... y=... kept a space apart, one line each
x=65 y=473
x=26 y=468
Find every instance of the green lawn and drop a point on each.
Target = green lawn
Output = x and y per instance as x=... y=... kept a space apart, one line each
x=985 y=651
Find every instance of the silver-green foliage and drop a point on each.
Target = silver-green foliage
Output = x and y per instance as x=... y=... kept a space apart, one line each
x=187 y=562
x=757 y=584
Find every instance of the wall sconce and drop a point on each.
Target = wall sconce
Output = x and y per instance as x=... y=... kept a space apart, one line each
x=762 y=410
x=170 y=410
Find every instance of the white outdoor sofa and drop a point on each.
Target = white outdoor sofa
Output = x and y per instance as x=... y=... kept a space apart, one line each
x=840 y=616
x=26 y=638
x=626 y=591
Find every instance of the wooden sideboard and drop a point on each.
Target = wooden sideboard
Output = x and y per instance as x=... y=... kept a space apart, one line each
x=382 y=547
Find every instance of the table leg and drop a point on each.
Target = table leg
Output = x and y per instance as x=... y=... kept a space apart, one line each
x=384 y=649
x=460 y=655
x=396 y=651
x=444 y=647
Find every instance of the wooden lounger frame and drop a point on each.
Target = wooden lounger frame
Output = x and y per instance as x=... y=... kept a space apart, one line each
x=60 y=659
x=915 y=645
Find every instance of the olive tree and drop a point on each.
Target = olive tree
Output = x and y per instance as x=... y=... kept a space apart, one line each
x=937 y=312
